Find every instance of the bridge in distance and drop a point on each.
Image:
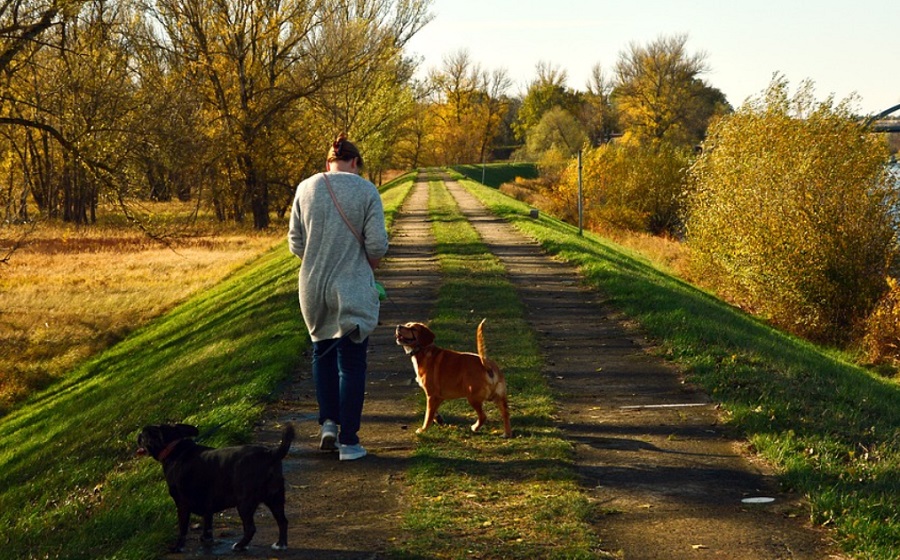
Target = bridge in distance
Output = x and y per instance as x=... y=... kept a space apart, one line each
x=880 y=122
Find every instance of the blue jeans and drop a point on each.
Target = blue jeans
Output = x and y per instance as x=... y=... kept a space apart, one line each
x=339 y=372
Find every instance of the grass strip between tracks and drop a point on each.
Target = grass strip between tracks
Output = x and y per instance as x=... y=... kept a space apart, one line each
x=477 y=495
x=832 y=429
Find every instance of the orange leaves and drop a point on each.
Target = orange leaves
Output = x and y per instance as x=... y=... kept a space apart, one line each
x=882 y=338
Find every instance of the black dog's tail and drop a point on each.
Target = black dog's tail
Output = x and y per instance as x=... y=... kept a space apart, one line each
x=287 y=436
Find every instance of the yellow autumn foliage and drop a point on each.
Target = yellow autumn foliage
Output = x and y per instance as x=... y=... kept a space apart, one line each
x=791 y=211
x=882 y=338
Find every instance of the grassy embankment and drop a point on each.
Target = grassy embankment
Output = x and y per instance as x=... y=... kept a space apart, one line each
x=70 y=486
x=496 y=174
x=830 y=427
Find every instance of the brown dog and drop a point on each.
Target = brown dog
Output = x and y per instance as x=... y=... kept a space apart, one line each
x=446 y=374
x=204 y=481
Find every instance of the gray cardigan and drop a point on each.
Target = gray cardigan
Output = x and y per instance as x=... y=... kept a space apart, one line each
x=337 y=285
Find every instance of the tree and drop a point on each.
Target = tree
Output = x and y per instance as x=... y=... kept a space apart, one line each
x=257 y=62
x=23 y=23
x=455 y=109
x=410 y=149
x=94 y=106
x=375 y=102
x=659 y=95
x=547 y=91
x=29 y=137
x=72 y=110
x=495 y=84
x=559 y=130
x=553 y=142
x=600 y=112
x=174 y=160
x=791 y=212
x=467 y=110
x=222 y=101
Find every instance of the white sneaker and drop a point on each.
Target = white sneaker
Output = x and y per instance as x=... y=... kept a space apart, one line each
x=328 y=436
x=352 y=452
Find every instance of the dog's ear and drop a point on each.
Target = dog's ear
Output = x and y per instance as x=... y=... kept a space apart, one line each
x=424 y=336
x=186 y=430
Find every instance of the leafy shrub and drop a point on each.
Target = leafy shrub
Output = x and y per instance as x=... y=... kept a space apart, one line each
x=637 y=187
x=882 y=338
x=552 y=162
x=529 y=191
x=790 y=211
x=557 y=130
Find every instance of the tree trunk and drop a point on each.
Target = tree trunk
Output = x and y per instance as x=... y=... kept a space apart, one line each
x=256 y=193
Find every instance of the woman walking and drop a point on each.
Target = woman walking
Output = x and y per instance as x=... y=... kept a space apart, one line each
x=337 y=227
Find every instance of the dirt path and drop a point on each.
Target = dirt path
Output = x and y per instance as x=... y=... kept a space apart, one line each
x=651 y=452
x=351 y=510
x=650 y=449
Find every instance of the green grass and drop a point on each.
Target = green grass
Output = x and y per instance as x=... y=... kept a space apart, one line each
x=831 y=428
x=479 y=495
x=70 y=485
x=495 y=174
x=393 y=194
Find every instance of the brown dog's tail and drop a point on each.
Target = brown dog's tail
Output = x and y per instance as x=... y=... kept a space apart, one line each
x=287 y=436
x=482 y=348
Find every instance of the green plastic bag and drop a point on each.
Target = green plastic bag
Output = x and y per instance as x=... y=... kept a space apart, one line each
x=382 y=294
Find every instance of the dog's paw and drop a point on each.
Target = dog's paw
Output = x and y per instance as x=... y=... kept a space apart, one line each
x=239 y=547
x=279 y=546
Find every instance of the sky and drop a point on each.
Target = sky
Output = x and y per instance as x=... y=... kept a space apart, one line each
x=844 y=47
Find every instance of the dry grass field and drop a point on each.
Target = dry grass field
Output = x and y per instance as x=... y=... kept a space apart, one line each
x=67 y=292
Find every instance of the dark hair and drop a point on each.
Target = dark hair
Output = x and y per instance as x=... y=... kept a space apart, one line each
x=344 y=150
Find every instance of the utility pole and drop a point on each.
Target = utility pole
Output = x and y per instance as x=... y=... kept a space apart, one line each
x=580 y=198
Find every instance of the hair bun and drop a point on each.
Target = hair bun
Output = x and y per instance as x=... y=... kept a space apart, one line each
x=343 y=149
x=338 y=145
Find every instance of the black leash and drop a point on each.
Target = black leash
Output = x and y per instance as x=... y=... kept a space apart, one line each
x=392 y=302
x=338 y=341
x=383 y=296
x=209 y=432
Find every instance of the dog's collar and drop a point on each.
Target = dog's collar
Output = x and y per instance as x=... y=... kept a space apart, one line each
x=164 y=454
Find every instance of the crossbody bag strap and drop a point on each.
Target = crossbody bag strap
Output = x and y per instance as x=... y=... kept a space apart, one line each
x=382 y=295
x=341 y=212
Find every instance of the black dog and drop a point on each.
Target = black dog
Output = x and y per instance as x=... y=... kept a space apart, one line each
x=204 y=481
